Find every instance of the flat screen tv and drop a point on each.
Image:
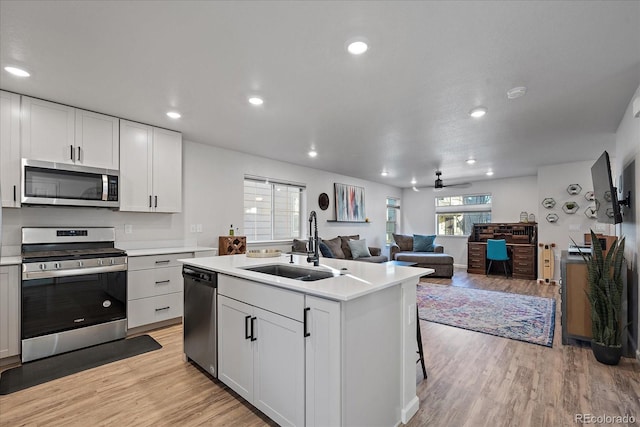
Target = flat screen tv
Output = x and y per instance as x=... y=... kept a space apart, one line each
x=605 y=194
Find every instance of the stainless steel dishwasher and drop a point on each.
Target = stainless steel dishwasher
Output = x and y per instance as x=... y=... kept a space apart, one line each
x=200 y=318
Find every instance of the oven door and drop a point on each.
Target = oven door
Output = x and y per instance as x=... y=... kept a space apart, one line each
x=57 y=302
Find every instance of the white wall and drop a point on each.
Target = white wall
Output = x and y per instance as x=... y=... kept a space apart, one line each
x=213 y=197
x=509 y=197
x=628 y=152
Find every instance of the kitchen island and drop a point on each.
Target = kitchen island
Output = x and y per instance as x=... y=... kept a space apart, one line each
x=339 y=351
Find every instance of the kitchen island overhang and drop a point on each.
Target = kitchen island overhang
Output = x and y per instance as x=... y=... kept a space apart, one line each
x=370 y=375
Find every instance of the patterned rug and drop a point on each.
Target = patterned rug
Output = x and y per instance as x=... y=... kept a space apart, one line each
x=518 y=317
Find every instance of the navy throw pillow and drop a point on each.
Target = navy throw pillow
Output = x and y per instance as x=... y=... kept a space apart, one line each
x=423 y=243
x=325 y=251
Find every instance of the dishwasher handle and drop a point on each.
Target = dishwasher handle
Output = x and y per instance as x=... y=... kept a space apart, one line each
x=203 y=277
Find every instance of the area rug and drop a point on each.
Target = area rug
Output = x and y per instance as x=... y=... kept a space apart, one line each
x=519 y=317
x=54 y=367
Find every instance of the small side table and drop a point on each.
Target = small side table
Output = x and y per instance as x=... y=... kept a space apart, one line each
x=232 y=245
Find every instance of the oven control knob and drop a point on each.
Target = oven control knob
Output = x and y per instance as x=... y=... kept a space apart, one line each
x=56 y=265
x=113 y=261
x=80 y=263
x=100 y=262
x=43 y=266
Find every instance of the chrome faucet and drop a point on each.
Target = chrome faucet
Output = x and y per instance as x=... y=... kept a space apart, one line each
x=312 y=254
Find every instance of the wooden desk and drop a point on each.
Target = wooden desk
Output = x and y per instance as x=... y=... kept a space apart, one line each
x=522 y=259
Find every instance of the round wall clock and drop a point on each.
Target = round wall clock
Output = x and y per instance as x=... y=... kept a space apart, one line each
x=323 y=201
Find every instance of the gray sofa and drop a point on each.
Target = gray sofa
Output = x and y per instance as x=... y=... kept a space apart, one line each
x=402 y=250
x=339 y=248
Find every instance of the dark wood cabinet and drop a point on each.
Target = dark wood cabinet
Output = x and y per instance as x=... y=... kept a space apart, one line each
x=521 y=241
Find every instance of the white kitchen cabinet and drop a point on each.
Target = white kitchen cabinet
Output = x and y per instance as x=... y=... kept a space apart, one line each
x=10 y=149
x=322 y=362
x=150 y=168
x=97 y=140
x=62 y=134
x=261 y=349
x=154 y=289
x=9 y=311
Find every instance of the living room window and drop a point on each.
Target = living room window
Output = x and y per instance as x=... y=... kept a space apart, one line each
x=455 y=215
x=272 y=209
x=393 y=215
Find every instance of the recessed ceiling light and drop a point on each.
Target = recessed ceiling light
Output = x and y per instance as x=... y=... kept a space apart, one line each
x=357 y=47
x=413 y=181
x=255 y=100
x=313 y=153
x=174 y=114
x=471 y=161
x=478 y=112
x=489 y=172
x=17 y=71
x=258 y=199
x=516 y=92
x=384 y=173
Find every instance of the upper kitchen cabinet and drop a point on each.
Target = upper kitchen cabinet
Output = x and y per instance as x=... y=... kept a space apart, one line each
x=63 y=134
x=150 y=168
x=10 y=149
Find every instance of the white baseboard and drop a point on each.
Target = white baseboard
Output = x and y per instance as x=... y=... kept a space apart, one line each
x=410 y=410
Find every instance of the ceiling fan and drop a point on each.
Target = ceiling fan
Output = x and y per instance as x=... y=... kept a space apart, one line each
x=439 y=184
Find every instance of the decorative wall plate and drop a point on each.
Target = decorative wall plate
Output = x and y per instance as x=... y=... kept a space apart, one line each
x=548 y=203
x=570 y=207
x=552 y=217
x=574 y=189
x=323 y=201
x=590 y=196
x=591 y=212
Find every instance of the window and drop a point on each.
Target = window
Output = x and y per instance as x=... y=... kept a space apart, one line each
x=272 y=209
x=393 y=215
x=455 y=215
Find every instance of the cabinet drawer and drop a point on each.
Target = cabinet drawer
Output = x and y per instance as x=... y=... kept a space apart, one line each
x=477 y=249
x=154 y=261
x=280 y=301
x=522 y=253
x=154 y=309
x=153 y=282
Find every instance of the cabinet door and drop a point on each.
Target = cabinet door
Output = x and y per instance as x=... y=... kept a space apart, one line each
x=97 y=140
x=48 y=131
x=235 y=350
x=279 y=368
x=9 y=311
x=135 y=166
x=10 y=149
x=578 y=321
x=322 y=362
x=167 y=171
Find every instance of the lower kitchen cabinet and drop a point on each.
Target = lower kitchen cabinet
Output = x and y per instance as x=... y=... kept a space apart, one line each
x=9 y=311
x=154 y=289
x=261 y=354
x=322 y=362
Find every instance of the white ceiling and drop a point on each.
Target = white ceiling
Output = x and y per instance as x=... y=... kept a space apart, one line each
x=402 y=106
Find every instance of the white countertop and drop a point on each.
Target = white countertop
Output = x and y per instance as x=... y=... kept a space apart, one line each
x=10 y=260
x=362 y=278
x=164 y=251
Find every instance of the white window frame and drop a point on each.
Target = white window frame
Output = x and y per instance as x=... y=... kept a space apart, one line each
x=274 y=183
x=389 y=236
x=460 y=209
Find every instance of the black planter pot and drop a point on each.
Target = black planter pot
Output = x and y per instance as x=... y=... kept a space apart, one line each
x=605 y=354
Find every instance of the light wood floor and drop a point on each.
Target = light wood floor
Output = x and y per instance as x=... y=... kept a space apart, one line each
x=474 y=380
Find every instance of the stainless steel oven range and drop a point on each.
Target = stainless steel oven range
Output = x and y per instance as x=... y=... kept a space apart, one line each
x=74 y=289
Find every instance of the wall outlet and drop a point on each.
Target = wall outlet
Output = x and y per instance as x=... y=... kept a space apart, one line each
x=199 y=228
x=128 y=229
x=193 y=228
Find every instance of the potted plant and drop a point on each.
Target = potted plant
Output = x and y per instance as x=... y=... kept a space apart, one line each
x=604 y=276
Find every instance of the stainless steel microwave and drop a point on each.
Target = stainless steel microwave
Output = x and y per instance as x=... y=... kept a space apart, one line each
x=59 y=184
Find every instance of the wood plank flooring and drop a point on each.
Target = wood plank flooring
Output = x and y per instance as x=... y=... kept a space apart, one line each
x=474 y=380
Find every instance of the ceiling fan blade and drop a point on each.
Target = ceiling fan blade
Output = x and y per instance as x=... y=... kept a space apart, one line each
x=461 y=185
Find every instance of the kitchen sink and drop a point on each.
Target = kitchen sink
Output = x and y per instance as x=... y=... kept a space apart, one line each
x=292 y=272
